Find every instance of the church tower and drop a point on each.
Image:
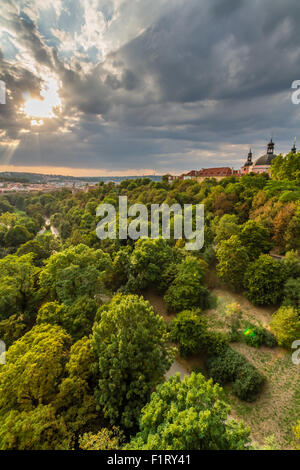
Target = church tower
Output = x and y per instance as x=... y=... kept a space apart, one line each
x=249 y=159
x=271 y=147
x=248 y=164
x=294 y=149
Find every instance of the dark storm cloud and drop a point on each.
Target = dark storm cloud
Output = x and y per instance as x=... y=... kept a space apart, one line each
x=206 y=75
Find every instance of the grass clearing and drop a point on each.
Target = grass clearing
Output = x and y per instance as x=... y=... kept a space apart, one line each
x=278 y=406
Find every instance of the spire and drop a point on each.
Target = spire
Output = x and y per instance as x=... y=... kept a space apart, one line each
x=294 y=149
x=249 y=160
x=271 y=146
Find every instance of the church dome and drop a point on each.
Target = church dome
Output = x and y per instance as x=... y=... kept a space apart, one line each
x=265 y=159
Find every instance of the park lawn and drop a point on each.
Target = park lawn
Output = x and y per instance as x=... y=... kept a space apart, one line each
x=278 y=406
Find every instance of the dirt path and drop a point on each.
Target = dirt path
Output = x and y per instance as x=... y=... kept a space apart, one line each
x=250 y=312
x=278 y=407
x=53 y=229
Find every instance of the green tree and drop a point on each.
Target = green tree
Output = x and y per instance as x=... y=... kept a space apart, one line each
x=36 y=429
x=42 y=248
x=34 y=366
x=286 y=168
x=233 y=259
x=189 y=330
x=286 y=326
x=291 y=294
x=264 y=281
x=256 y=238
x=12 y=329
x=17 y=286
x=74 y=272
x=225 y=227
x=75 y=400
x=119 y=273
x=76 y=319
x=188 y=415
x=291 y=262
x=149 y=259
x=17 y=235
x=187 y=289
x=130 y=342
x=105 y=439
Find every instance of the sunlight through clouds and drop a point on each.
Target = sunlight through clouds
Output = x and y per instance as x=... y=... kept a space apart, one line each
x=47 y=105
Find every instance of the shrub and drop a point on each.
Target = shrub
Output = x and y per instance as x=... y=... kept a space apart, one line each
x=233 y=367
x=216 y=342
x=260 y=336
x=248 y=383
x=190 y=331
x=233 y=314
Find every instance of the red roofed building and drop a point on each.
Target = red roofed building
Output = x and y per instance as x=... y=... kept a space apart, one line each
x=217 y=173
x=200 y=175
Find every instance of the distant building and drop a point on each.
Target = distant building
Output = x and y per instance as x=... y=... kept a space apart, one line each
x=217 y=173
x=248 y=163
x=261 y=165
x=200 y=175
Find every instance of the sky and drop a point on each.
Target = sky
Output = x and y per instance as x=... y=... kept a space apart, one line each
x=125 y=87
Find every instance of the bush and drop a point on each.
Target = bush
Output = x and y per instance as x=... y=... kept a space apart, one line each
x=260 y=336
x=216 y=342
x=233 y=367
x=248 y=383
x=233 y=314
x=286 y=326
x=190 y=331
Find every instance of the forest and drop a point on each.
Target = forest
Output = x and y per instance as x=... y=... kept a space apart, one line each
x=89 y=351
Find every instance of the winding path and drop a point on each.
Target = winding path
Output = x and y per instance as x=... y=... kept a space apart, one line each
x=53 y=229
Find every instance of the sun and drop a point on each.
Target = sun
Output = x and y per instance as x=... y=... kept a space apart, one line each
x=44 y=107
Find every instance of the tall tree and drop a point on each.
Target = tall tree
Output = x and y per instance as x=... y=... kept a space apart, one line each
x=233 y=260
x=264 y=280
x=130 y=342
x=74 y=272
x=188 y=415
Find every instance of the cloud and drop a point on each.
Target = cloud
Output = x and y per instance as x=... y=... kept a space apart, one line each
x=163 y=85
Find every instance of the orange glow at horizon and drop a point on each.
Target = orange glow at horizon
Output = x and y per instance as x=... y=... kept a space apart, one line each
x=82 y=172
